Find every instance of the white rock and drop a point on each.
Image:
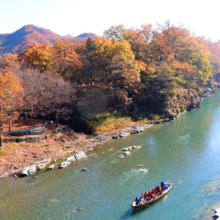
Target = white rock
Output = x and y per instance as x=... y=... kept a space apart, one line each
x=123 y=134
x=78 y=157
x=24 y=171
x=32 y=169
x=70 y=159
x=125 y=149
x=129 y=148
x=42 y=166
x=217 y=212
x=51 y=167
x=28 y=170
x=134 y=147
x=126 y=153
x=138 y=147
x=90 y=149
x=64 y=164
x=81 y=153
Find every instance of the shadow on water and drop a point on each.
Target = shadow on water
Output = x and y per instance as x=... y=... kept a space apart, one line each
x=134 y=213
x=127 y=214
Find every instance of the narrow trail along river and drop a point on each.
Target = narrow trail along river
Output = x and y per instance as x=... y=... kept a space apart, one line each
x=187 y=150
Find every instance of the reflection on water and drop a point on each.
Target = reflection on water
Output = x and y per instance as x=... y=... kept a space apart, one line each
x=186 y=150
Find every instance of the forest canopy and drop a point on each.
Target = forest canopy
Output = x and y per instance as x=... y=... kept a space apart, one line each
x=128 y=66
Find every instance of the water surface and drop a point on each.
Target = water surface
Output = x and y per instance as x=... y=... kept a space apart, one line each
x=187 y=150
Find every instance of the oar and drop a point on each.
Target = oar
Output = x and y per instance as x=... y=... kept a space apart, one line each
x=125 y=200
x=172 y=183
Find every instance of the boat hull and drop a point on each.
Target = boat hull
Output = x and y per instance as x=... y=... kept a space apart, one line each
x=148 y=203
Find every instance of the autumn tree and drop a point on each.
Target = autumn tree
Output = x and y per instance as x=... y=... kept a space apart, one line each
x=37 y=57
x=118 y=32
x=66 y=59
x=44 y=94
x=10 y=98
x=9 y=60
x=116 y=68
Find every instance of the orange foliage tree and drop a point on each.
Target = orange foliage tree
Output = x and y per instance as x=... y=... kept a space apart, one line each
x=9 y=60
x=66 y=57
x=37 y=56
x=10 y=98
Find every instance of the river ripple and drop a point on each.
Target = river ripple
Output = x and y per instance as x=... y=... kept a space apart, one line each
x=187 y=150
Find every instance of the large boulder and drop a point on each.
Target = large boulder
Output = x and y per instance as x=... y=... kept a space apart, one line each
x=64 y=164
x=28 y=170
x=32 y=169
x=70 y=159
x=126 y=153
x=80 y=155
x=115 y=137
x=24 y=171
x=51 y=167
x=85 y=169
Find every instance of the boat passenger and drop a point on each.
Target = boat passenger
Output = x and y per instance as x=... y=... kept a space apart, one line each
x=158 y=188
x=149 y=193
x=145 y=195
x=137 y=200
x=165 y=187
x=149 y=198
x=162 y=184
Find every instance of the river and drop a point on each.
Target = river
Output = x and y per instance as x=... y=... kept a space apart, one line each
x=186 y=150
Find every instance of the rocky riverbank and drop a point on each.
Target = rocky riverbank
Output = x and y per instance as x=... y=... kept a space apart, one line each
x=31 y=157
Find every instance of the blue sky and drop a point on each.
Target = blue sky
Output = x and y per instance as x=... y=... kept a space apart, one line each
x=79 y=16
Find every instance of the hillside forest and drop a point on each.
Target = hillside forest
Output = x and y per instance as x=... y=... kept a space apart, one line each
x=97 y=84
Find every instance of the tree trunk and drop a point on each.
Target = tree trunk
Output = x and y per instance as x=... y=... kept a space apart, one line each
x=25 y=118
x=1 y=139
x=56 y=122
x=9 y=126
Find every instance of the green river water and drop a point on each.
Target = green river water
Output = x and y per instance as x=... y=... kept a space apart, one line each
x=186 y=150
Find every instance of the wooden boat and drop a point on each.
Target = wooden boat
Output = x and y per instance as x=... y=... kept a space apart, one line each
x=147 y=203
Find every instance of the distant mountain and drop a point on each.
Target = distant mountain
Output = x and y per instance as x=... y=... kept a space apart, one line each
x=20 y=39
x=85 y=35
x=29 y=34
x=68 y=36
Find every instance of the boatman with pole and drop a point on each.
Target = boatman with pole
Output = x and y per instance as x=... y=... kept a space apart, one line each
x=162 y=185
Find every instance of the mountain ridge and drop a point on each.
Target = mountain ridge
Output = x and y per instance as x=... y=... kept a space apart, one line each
x=19 y=40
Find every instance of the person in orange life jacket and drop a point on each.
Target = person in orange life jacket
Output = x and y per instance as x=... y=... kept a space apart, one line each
x=145 y=195
x=149 y=193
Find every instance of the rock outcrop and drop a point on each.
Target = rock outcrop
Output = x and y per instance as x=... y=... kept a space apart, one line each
x=28 y=170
